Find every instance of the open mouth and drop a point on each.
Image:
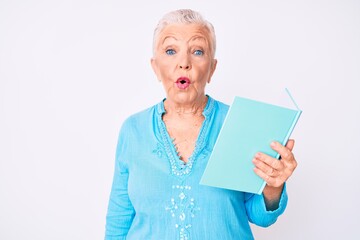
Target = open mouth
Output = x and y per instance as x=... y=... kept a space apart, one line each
x=183 y=82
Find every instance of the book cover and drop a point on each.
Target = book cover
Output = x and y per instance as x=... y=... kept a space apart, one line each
x=249 y=127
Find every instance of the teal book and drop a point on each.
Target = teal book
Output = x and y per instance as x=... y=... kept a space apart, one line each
x=249 y=127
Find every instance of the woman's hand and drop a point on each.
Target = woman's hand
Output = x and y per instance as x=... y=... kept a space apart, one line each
x=275 y=172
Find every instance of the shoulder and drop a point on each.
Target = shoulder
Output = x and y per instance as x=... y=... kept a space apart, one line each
x=220 y=108
x=136 y=125
x=139 y=118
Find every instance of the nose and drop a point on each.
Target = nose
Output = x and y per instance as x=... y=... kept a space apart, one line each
x=185 y=66
x=184 y=62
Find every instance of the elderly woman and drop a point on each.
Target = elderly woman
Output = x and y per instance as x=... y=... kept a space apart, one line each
x=162 y=152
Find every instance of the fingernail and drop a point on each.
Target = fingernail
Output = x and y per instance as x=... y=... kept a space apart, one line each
x=273 y=144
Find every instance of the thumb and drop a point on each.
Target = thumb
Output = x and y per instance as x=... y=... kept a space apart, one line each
x=290 y=144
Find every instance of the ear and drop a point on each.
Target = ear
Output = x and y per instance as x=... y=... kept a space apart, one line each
x=155 y=68
x=212 y=70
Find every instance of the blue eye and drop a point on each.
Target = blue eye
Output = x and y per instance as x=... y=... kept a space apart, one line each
x=199 y=52
x=170 y=52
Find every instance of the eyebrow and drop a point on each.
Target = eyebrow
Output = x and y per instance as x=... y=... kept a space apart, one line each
x=167 y=37
x=198 y=38
x=194 y=38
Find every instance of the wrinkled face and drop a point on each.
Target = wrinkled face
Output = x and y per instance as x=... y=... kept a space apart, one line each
x=183 y=62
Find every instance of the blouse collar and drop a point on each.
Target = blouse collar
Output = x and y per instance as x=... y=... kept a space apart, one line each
x=206 y=112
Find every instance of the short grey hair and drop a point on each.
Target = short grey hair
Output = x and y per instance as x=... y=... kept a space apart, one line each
x=184 y=16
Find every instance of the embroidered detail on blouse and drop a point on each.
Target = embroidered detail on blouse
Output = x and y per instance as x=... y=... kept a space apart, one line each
x=182 y=208
x=178 y=167
x=159 y=150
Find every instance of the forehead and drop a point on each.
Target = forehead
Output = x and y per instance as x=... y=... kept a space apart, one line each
x=184 y=32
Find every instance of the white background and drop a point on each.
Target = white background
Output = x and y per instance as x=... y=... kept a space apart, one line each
x=71 y=71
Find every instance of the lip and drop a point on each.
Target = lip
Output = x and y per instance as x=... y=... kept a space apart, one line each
x=183 y=82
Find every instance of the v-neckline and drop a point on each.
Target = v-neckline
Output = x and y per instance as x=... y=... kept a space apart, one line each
x=179 y=167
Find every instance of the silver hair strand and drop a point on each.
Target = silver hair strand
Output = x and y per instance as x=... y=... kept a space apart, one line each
x=184 y=16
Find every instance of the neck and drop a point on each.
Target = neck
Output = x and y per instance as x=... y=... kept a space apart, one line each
x=195 y=108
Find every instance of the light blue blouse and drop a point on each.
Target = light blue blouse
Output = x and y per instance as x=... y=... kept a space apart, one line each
x=156 y=196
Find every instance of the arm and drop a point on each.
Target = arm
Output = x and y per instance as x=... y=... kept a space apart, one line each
x=120 y=210
x=264 y=209
x=258 y=212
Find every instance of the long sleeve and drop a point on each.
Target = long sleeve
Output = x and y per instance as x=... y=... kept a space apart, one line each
x=256 y=209
x=120 y=210
x=154 y=196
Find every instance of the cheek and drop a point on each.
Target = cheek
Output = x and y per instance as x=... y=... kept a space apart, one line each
x=164 y=73
x=204 y=70
x=165 y=68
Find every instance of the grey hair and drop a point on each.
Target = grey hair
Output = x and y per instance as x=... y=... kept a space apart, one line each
x=184 y=16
